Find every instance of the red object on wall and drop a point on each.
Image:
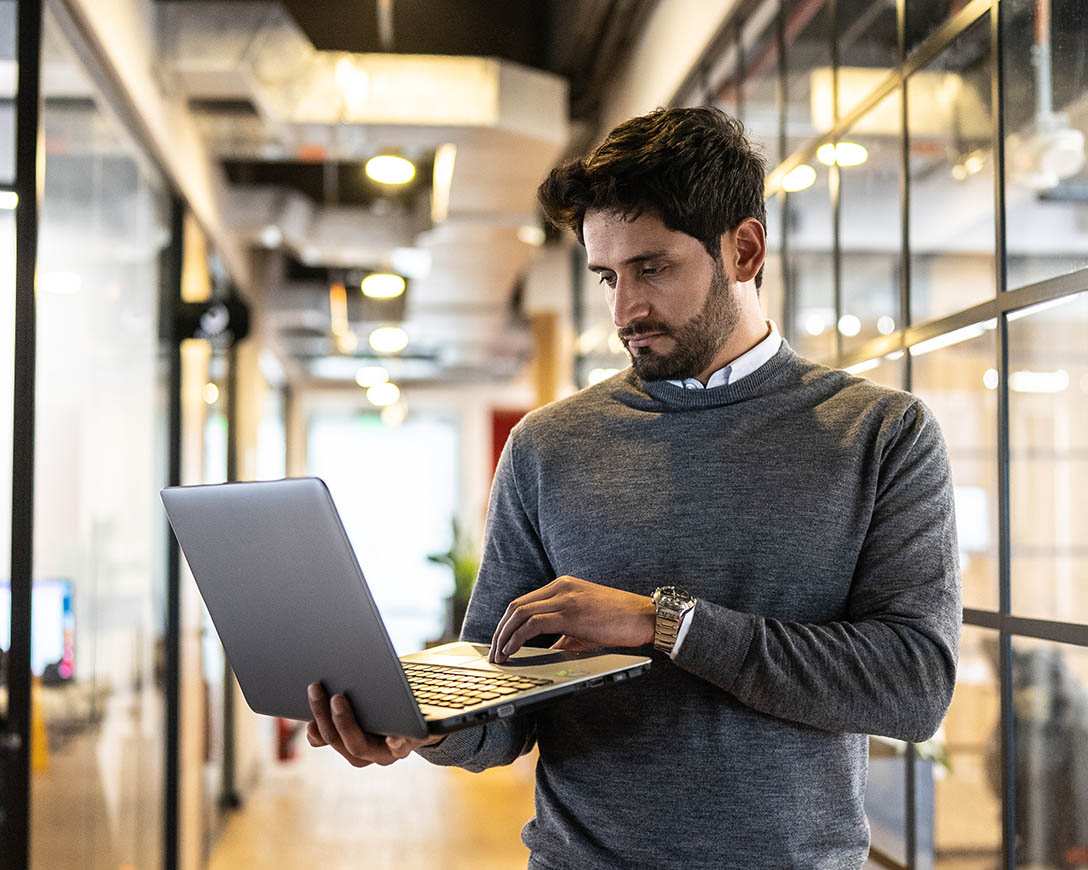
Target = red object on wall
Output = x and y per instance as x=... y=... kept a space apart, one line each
x=502 y=421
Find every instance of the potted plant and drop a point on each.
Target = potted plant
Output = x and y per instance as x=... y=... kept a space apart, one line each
x=463 y=560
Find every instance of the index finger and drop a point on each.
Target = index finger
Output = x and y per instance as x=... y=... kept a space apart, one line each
x=544 y=592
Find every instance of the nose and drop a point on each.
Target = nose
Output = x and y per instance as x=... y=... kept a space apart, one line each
x=628 y=303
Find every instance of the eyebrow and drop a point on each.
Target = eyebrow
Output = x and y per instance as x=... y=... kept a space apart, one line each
x=637 y=258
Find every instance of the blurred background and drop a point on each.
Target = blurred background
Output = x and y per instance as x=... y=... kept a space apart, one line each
x=248 y=240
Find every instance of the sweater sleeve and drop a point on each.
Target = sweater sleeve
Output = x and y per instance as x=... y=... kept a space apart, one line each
x=889 y=666
x=513 y=563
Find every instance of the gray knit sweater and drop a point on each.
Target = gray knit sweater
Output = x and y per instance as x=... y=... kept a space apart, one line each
x=810 y=512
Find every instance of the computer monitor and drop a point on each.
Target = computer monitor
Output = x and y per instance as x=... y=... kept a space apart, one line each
x=52 y=630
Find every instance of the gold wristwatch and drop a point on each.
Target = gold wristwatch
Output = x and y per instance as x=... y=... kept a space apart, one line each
x=671 y=604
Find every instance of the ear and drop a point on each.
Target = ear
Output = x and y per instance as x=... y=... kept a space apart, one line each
x=744 y=249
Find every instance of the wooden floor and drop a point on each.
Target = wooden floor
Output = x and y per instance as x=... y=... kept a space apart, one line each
x=318 y=811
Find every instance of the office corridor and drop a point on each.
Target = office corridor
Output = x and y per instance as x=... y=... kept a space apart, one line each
x=318 y=811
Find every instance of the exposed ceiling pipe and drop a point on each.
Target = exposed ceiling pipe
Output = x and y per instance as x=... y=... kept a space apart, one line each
x=385 y=24
x=1051 y=151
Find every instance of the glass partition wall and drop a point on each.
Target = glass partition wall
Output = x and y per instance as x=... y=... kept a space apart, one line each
x=95 y=393
x=929 y=177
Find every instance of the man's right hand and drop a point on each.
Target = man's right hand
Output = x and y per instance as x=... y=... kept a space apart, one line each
x=334 y=725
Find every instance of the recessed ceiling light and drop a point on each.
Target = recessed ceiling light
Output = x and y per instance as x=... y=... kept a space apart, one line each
x=383 y=285
x=849 y=324
x=389 y=339
x=390 y=169
x=383 y=395
x=845 y=154
x=368 y=376
x=8 y=199
x=800 y=178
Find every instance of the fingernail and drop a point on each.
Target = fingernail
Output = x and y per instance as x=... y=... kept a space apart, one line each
x=340 y=703
x=314 y=691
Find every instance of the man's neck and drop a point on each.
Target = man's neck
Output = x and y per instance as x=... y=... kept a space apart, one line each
x=750 y=331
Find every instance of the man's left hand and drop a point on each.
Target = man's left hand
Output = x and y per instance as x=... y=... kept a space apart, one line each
x=587 y=615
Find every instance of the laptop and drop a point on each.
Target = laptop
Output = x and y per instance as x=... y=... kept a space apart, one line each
x=291 y=606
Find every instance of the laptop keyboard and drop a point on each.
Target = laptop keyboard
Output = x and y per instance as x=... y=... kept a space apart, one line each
x=443 y=686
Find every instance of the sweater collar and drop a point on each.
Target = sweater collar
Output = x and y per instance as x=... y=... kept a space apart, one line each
x=664 y=396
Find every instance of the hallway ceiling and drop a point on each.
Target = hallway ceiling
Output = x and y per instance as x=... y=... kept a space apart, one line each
x=293 y=97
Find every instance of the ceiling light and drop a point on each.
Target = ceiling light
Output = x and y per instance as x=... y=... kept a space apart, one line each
x=815 y=324
x=849 y=325
x=368 y=376
x=531 y=235
x=210 y=394
x=389 y=339
x=393 y=415
x=8 y=199
x=885 y=325
x=383 y=395
x=271 y=236
x=799 y=178
x=845 y=154
x=390 y=169
x=990 y=379
x=383 y=285
x=860 y=367
x=826 y=154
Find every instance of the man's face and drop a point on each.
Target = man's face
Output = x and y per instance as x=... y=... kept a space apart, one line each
x=673 y=305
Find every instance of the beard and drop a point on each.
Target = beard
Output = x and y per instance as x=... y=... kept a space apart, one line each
x=698 y=340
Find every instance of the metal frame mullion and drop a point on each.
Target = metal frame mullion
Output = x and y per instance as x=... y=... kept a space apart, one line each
x=15 y=731
x=170 y=296
x=834 y=181
x=1004 y=457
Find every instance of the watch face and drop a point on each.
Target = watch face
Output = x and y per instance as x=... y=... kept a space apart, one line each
x=674 y=598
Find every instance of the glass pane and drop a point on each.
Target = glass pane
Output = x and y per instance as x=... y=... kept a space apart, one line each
x=7 y=376
x=772 y=293
x=959 y=383
x=1046 y=87
x=868 y=48
x=1048 y=442
x=888 y=370
x=871 y=222
x=1050 y=721
x=964 y=762
x=99 y=548
x=886 y=797
x=759 y=95
x=8 y=79
x=952 y=178
x=925 y=17
x=723 y=79
x=809 y=103
x=809 y=268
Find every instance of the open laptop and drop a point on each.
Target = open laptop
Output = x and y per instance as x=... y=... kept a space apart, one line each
x=291 y=606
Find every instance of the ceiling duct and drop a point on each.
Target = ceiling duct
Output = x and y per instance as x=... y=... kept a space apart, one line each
x=261 y=91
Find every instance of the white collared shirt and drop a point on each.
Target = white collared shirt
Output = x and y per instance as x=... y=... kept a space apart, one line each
x=739 y=368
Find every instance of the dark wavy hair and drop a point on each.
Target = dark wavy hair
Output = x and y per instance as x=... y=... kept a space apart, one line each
x=694 y=167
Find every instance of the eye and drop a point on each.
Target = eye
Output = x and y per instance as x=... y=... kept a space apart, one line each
x=607 y=278
x=650 y=271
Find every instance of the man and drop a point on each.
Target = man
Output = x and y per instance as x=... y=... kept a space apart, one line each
x=801 y=518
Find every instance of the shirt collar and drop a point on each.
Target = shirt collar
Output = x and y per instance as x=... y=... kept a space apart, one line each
x=741 y=367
